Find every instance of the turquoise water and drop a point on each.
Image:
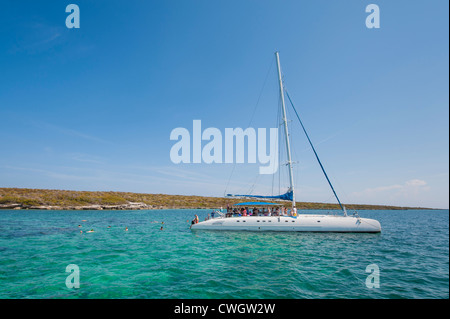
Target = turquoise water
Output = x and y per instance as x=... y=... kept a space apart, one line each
x=412 y=254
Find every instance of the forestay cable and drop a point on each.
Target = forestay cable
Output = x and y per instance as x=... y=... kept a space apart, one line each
x=315 y=153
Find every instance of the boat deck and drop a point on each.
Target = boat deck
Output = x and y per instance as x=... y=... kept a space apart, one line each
x=316 y=223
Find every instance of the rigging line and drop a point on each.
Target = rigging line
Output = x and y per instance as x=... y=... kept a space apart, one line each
x=252 y=188
x=277 y=124
x=226 y=187
x=260 y=93
x=315 y=153
x=289 y=137
x=280 y=153
x=251 y=119
x=296 y=162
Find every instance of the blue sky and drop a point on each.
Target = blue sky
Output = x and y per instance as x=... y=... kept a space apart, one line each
x=92 y=108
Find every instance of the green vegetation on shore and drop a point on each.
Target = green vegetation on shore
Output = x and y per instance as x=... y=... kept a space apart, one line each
x=24 y=198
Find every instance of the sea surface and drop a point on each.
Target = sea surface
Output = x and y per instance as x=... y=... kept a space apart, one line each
x=411 y=254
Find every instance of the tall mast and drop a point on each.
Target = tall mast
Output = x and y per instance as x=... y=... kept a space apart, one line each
x=288 y=148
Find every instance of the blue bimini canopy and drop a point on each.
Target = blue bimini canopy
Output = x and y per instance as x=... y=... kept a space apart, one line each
x=289 y=195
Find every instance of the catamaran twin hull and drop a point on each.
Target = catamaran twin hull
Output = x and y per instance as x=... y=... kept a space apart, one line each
x=303 y=223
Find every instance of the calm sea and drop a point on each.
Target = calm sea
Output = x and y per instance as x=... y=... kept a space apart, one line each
x=411 y=253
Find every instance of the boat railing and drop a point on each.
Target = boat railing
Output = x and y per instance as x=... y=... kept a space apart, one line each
x=216 y=214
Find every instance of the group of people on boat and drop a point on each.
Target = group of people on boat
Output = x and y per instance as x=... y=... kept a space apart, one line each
x=263 y=211
x=246 y=211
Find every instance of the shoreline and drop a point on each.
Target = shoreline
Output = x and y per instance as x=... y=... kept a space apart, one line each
x=45 y=199
x=194 y=208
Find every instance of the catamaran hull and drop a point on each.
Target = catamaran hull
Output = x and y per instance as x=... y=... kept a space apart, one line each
x=303 y=223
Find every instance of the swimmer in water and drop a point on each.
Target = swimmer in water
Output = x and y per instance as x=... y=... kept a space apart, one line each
x=126 y=228
x=161 y=228
x=90 y=231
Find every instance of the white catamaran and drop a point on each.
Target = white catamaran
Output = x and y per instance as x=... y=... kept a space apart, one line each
x=274 y=219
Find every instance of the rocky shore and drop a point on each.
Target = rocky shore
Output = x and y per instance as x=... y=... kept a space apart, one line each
x=128 y=206
x=46 y=199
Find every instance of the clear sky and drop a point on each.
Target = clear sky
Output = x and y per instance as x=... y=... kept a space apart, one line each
x=93 y=108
